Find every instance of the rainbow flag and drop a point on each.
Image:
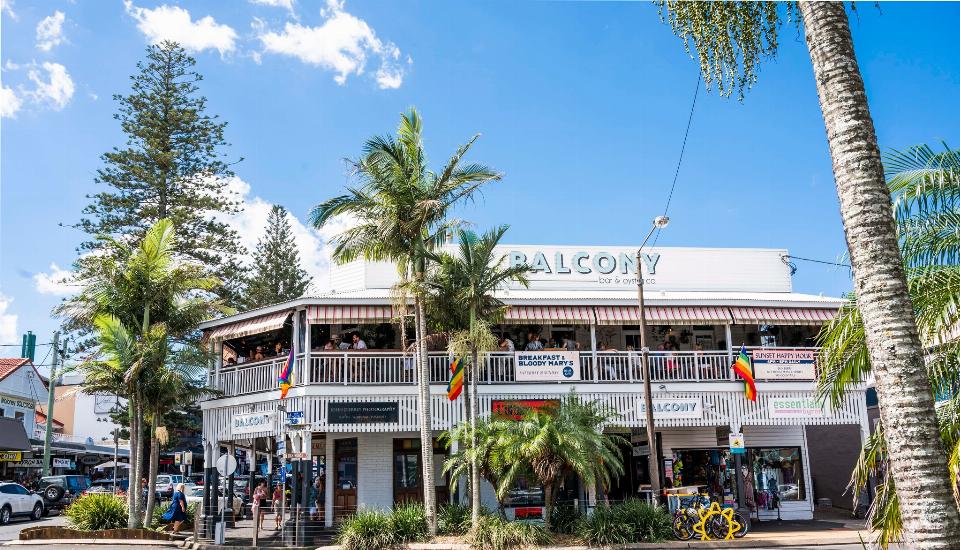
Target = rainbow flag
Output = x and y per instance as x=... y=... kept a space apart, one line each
x=286 y=375
x=455 y=386
x=744 y=370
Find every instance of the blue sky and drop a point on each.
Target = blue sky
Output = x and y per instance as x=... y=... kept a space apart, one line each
x=582 y=106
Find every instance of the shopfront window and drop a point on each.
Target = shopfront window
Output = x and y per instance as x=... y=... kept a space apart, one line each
x=777 y=475
x=706 y=470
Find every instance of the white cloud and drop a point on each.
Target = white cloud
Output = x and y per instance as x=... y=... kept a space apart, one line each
x=57 y=281
x=311 y=243
x=50 y=31
x=342 y=43
x=286 y=4
x=9 y=102
x=6 y=6
x=56 y=90
x=8 y=321
x=175 y=23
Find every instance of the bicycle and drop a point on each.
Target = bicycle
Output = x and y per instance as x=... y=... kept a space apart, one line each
x=685 y=517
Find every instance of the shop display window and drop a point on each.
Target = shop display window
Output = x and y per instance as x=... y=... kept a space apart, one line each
x=777 y=475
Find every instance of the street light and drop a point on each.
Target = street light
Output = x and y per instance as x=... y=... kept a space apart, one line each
x=658 y=223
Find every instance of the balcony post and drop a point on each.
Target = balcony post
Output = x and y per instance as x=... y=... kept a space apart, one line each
x=210 y=366
x=218 y=362
x=295 y=347
x=729 y=335
x=307 y=348
x=593 y=352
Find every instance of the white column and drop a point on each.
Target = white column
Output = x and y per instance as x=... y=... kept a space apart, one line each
x=729 y=336
x=210 y=365
x=593 y=349
x=331 y=472
x=218 y=361
x=307 y=346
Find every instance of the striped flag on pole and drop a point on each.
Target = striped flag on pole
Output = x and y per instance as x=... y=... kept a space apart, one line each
x=455 y=386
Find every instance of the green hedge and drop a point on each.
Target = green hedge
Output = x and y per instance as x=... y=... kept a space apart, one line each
x=97 y=511
x=377 y=530
x=630 y=521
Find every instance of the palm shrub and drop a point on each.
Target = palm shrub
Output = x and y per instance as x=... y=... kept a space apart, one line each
x=159 y=524
x=366 y=530
x=604 y=527
x=495 y=533
x=408 y=523
x=94 y=512
x=564 y=518
x=453 y=519
x=627 y=522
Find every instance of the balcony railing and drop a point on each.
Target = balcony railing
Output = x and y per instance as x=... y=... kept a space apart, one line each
x=369 y=368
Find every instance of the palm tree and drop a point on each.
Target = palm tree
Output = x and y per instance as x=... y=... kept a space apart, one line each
x=556 y=442
x=479 y=452
x=925 y=186
x=467 y=281
x=401 y=211
x=144 y=298
x=730 y=39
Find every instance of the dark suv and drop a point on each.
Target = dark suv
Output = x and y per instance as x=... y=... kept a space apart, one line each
x=60 y=491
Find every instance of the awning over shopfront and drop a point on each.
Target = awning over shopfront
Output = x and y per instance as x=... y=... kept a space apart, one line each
x=349 y=314
x=781 y=315
x=256 y=325
x=673 y=315
x=13 y=436
x=565 y=315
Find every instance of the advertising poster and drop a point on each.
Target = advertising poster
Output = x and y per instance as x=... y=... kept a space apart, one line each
x=547 y=366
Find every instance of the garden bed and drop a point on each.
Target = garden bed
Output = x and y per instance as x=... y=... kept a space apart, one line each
x=58 y=532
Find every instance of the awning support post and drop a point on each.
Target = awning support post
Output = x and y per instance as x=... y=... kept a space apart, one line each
x=593 y=350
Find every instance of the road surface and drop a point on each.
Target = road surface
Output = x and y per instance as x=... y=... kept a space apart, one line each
x=11 y=531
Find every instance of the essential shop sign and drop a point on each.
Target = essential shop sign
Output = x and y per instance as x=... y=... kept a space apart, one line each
x=364 y=412
x=688 y=407
x=546 y=366
x=514 y=409
x=784 y=364
x=795 y=407
x=252 y=423
x=63 y=463
x=10 y=456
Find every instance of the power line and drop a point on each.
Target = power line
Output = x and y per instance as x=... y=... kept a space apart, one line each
x=786 y=259
x=683 y=148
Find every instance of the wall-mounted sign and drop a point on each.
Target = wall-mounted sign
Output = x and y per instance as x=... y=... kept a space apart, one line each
x=737 y=443
x=251 y=423
x=794 y=407
x=10 y=456
x=546 y=366
x=516 y=408
x=28 y=463
x=90 y=460
x=683 y=407
x=63 y=463
x=378 y=412
x=784 y=364
x=294 y=418
x=16 y=402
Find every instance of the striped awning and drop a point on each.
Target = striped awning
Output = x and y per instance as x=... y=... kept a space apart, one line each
x=264 y=323
x=782 y=315
x=566 y=315
x=343 y=314
x=663 y=315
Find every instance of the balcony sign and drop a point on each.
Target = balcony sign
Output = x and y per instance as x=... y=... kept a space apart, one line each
x=252 y=423
x=363 y=412
x=784 y=364
x=547 y=366
x=664 y=408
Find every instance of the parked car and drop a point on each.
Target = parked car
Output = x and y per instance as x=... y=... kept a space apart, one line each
x=166 y=483
x=106 y=486
x=16 y=500
x=60 y=491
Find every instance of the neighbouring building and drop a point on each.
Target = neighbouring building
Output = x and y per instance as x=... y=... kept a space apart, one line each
x=351 y=416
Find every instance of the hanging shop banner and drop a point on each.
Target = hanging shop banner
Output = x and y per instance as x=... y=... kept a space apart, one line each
x=28 y=463
x=380 y=412
x=252 y=423
x=514 y=409
x=63 y=463
x=784 y=364
x=10 y=456
x=737 y=444
x=685 y=407
x=546 y=366
x=795 y=407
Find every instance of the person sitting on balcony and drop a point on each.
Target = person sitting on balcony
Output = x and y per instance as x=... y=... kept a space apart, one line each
x=341 y=345
x=506 y=344
x=570 y=344
x=278 y=349
x=533 y=342
x=258 y=356
x=231 y=362
x=330 y=346
x=358 y=342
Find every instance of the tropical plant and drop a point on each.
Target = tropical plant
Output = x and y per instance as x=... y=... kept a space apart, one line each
x=453 y=519
x=408 y=522
x=565 y=517
x=400 y=209
x=496 y=533
x=466 y=282
x=630 y=521
x=555 y=442
x=925 y=186
x=368 y=529
x=97 y=511
x=730 y=39
x=486 y=454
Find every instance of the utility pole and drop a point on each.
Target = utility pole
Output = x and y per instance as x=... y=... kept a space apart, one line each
x=50 y=387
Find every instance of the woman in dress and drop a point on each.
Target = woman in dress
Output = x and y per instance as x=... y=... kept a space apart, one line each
x=177 y=513
x=259 y=503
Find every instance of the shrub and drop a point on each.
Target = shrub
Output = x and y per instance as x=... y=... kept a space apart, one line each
x=604 y=527
x=366 y=530
x=408 y=523
x=453 y=519
x=496 y=533
x=564 y=518
x=97 y=511
x=630 y=521
x=160 y=524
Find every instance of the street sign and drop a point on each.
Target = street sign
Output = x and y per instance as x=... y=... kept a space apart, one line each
x=281 y=447
x=226 y=465
x=283 y=475
x=295 y=418
x=177 y=459
x=737 y=444
x=188 y=457
x=297 y=456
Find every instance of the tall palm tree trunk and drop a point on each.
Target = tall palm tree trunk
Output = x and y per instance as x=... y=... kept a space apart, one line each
x=917 y=456
x=154 y=466
x=426 y=420
x=136 y=463
x=474 y=466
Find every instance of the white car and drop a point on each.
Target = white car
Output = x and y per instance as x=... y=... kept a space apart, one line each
x=16 y=500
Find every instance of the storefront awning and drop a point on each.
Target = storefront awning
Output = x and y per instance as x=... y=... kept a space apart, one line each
x=264 y=323
x=663 y=315
x=344 y=314
x=781 y=315
x=13 y=436
x=565 y=315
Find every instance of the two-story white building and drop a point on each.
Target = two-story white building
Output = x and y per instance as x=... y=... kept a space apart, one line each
x=355 y=410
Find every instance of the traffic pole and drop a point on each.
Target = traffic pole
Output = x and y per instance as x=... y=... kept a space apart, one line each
x=50 y=395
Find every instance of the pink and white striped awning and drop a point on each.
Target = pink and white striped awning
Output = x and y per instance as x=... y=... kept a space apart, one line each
x=782 y=315
x=344 y=314
x=264 y=323
x=558 y=315
x=663 y=315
